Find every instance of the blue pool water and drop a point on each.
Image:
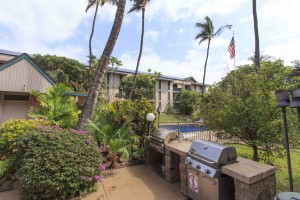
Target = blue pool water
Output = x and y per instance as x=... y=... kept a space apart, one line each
x=186 y=128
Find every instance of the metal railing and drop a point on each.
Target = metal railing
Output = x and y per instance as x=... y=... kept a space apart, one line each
x=198 y=135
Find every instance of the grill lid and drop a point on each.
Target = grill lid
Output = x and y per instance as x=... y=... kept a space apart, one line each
x=164 y=135
x=217 y=154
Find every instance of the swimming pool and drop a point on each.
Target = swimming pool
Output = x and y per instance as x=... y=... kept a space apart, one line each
x=184 y=128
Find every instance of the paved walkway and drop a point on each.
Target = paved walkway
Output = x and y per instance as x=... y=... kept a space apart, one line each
x=140 y=182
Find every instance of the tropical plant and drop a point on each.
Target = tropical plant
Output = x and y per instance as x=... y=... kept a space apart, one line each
x=58 y=164
x=102 y=66
x=117 y=140
x=243 y=105
x=207 y=32
x=56 y=107
x=257 y=53
x=138 y=5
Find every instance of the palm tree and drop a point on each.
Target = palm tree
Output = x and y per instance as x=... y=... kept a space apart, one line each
x=207 y=32
x=56 y=107
x=102 y=66
x=118 y=141
x=90 y=4
x=138 y=5
x=256 y=54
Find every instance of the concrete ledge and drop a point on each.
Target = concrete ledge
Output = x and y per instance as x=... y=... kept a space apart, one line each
x=181 y=148
x=248 y=171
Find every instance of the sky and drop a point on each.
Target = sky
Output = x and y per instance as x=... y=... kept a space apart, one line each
x=62 y=27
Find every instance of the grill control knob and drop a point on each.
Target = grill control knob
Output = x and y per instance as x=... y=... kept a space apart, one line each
x=207 y=171
x=198 y=166
x=190 y=162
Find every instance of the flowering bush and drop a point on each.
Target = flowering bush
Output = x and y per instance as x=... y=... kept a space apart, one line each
x=12 y=129
x=58 y=164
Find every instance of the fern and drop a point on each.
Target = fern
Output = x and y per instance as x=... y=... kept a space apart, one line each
x=6 y=164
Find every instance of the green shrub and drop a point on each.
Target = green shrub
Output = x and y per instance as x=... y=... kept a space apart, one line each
x=11 y=130
x=58 y=164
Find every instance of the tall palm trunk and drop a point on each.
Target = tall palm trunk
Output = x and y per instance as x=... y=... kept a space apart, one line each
x=257 y=53
x=140 y=55
x=96 y=85
x=204 y=74
x=92 y=33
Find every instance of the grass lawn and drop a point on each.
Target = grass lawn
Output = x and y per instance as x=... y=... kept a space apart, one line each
x=172 y=117
x=282 y=181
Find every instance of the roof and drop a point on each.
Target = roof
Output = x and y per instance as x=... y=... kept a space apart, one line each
x=163 y=77
x=117 y=70
x=76 y=94
x=29 y=59
x=10 y=53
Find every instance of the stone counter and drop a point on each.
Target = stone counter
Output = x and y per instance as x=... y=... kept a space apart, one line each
x=248 y=171
x=252 y=180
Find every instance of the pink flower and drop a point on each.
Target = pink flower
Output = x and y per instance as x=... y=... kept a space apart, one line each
x=91 y=179
x=88 y=141
x=84 y=132
x=83 y=177
x=101 y=167
x=98 y=178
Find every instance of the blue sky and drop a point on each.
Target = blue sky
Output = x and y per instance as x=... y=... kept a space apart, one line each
x=63 y=28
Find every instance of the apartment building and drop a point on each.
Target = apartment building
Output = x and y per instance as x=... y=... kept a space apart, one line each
x=167 y=88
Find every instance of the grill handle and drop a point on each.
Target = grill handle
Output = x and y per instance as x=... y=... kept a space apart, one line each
x=202 y=159
x=158 y=140
x=212 y=182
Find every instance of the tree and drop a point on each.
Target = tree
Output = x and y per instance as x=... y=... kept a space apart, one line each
x=138 y=5
x=243 y=105
x=56 y=107
x=207 y=32
x=188 y=102
x=65 y=70
x=102 y=66
x=90 y=4
x=256 y=54
x=145 y=87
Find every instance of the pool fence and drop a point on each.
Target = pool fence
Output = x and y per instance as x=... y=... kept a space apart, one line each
x=200 y=135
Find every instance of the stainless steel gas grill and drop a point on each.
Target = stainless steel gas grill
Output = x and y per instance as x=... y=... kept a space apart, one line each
x=160 y=137
x=204 y=176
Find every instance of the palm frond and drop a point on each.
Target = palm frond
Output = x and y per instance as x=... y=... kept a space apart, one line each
x=6 y=164
x=219 y=31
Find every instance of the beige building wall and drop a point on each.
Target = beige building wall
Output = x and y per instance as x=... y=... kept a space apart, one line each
x=163 y=95
x=22 y=77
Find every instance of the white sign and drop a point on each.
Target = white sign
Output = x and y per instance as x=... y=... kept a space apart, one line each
x=193 y=182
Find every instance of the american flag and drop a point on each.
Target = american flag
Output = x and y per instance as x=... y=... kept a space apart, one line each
x=231 y=48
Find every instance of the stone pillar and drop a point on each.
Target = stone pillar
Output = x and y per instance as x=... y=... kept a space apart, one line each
x=183 y=173
x=264 y=189
x=171 y=166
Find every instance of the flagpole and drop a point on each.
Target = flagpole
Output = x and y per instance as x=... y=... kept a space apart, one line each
x=234 y=66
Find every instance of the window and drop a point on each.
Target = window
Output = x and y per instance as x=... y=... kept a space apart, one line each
x=159 y=84
x=169 y=96
x=107 y=79
x=16 y=98
x=169 y=85
x=159 y=95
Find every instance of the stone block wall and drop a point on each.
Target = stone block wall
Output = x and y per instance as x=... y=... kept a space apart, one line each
x=264 y=189
x=171 y=166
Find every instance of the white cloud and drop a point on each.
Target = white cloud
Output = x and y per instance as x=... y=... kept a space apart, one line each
x=152 y=35
x=192 y=65
x=183 y=10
